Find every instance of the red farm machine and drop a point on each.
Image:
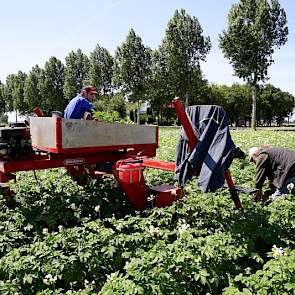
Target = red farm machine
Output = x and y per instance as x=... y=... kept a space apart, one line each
x=81 y=146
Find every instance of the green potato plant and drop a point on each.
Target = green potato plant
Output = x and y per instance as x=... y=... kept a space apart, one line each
x=64 y=238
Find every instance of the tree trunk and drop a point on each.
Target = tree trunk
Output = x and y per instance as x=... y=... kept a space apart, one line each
x=138 y=115
x=186 y=99
x=158 y=115
x=253 y=119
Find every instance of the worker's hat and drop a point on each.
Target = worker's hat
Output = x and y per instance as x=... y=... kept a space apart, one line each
x=89 y=89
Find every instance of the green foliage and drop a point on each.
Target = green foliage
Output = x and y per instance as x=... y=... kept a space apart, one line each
x=108 y=117
x=159 y=85
x=117 y=103
x=32 y=95
x=2 y=101
x=274 y=103
x=75 y=73
x=236 y=100
x=111 y=109
x=15 y=230
x=112 y=116
x=276 y=277
x=56 y=200
x=18 y=93
x=183 y=47
x=63 y=260
x=3 y=119
x=108 y=104
x=283 y=213
x=147 y=119
x=101 y=69
x=255 y=29
x=13 y=92
x=132 y=66
x=51 y=86
x=162 y=85
x=7 y=92
x=63 y=238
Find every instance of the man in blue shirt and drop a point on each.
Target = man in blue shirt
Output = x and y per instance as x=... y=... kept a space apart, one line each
x=81 y=103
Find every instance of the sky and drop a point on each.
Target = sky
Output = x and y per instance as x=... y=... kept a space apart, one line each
x=32 y=31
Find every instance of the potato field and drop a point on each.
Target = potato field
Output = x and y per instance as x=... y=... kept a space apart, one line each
x=57 y=237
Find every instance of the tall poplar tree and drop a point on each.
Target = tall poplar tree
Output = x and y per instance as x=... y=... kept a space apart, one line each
x=184 y=46
x=101 y=69
x=51 y=86
x=131 y=68
x=2 y=100
x=159 y=86
x=75 y=73
x=32 y=95
x=8 y=91
x=18 y=93
x=255 y=29
x=14 y=92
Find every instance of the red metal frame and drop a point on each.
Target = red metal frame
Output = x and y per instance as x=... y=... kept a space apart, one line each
x=192 y=141
x=144 y=148
x=5 y=177
x=185 y=122
x=38 y=112
x=67 y=160
x=158 y=164
x=58 y=135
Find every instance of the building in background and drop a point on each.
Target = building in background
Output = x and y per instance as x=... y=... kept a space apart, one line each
x=15 y=117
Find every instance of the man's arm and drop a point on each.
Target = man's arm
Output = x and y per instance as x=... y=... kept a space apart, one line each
x=89 y=108
x=261 y=170
x=260 y=175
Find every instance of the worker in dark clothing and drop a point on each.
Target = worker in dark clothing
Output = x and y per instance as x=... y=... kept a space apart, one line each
x=276 y=164
x=81 y=104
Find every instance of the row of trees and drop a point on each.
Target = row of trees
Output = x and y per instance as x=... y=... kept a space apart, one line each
x=273 y=104
x=137 y=73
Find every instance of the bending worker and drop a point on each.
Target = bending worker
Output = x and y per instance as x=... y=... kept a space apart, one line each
x=81 y=104
x=278 y=165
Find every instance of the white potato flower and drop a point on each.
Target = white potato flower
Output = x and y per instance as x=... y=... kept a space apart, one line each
x=49 y=279
x=111 y=276
x=28 y=227
x=277 y=251
x=45 y=231
x=153 y=230
x=290 y=187
x=183 y=226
